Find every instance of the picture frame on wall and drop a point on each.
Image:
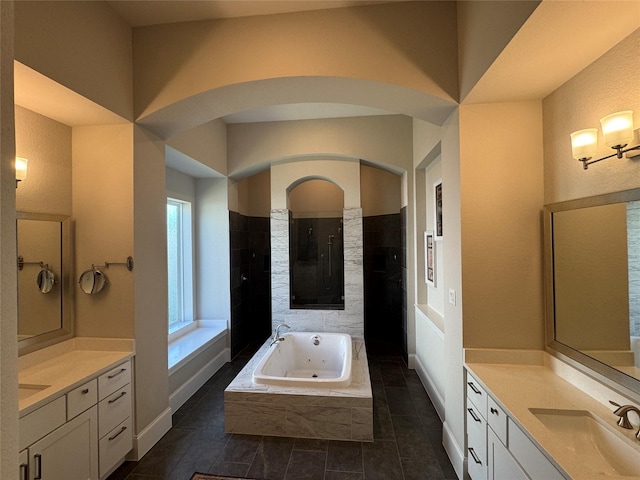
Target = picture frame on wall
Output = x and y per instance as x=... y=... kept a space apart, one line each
x=437 y=202
x=429 y=258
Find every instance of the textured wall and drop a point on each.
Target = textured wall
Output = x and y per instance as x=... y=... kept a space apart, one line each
x=580 y=103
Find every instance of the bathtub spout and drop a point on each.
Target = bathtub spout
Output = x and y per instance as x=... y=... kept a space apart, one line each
x=276 y=336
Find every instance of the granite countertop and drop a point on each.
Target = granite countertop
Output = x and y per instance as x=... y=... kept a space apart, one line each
x=66 y=366
x=519 y=387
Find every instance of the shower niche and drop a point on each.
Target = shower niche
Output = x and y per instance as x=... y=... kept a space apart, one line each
x=316 y=253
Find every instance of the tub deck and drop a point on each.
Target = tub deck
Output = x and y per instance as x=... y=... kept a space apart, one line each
x=338 y=413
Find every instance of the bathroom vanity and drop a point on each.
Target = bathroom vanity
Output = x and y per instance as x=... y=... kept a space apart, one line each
x=528 y=417
x=75 y=409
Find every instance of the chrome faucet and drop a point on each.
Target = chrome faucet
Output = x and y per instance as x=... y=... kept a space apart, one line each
x=276 y=336
x=622 y=412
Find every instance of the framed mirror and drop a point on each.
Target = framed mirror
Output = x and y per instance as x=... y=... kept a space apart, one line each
x=592 y=284
x=45 y=280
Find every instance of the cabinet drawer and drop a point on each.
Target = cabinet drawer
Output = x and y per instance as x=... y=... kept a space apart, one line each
x=114 y=409
x=477 y=394
x=115 y=445
x=82 y=398
x=497 y=420
x=42 y=421
x=476 y=444
x=114 y=379
x=537 y=466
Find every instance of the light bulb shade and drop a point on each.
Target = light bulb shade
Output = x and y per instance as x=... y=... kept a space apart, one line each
x=584 y=143
x=617 y=128
x=21 y=168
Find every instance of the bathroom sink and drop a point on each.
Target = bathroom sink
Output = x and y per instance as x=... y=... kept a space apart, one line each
x=599 y=449
x=26 y=390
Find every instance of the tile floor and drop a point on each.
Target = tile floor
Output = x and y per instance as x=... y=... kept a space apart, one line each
x=407 y=433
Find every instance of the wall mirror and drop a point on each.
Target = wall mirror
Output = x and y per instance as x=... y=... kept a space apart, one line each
x=45 y=276
x=592 y=283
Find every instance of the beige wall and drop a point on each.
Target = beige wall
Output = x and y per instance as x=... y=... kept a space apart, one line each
x=580 y=103
x=383 y=140
x=484 y=29
x=102 y=183
x=344 y=173
x=316 y=198
x=8 y=302
x=149 y=236
x=452 y=248
x=323 y=43
x=47 y=145
x=590 y=277
x=206 y=143
x=82 y=45
x=379 y=191
x=501 y=197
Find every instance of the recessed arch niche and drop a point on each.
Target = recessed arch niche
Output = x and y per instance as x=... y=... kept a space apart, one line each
x=316 y=247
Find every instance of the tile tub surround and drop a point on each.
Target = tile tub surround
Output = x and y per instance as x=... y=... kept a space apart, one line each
x=320 y=413
x=520 y=380
x=351 y=319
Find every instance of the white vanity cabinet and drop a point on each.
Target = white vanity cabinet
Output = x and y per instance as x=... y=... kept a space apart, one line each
x=81 y=435
x=497 y=448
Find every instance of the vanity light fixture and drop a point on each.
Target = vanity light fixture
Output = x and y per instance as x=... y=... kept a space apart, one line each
x=617 y=131
x=21 y=169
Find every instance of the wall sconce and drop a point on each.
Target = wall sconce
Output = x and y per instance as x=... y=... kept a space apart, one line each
x=21 y=169
x=617 y=130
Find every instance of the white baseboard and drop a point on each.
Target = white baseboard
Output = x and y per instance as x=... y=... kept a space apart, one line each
x=429 y=385
x=191 y=386
x=452 y=448
x=152 y=433
x=411 y=361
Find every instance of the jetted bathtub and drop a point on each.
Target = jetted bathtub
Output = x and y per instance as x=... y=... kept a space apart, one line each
x=304 y=359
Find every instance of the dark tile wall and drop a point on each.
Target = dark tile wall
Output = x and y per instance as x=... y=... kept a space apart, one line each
x=384 y=280
x=250 y=250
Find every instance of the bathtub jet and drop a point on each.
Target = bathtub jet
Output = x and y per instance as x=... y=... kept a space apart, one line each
x=304 y=359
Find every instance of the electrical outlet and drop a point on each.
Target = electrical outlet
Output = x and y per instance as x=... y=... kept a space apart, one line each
x=452 y=297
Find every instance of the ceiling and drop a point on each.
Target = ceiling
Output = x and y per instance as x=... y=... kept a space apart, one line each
x=549 y=49
x=155 y=12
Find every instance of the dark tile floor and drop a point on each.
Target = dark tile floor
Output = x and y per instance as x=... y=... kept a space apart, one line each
x=407 y=432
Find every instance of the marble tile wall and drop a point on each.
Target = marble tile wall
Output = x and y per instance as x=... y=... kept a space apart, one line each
x=351 y=319
x=633 y=251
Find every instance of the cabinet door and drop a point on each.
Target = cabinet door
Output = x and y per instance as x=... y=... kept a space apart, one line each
x=70 y=452
x=502 y=466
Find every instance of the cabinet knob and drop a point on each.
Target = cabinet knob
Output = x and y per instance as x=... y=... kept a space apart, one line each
x=494 y=411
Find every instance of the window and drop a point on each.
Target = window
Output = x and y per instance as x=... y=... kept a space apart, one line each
x=179 y=263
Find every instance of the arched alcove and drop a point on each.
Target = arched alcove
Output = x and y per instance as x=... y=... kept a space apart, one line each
x=316 y=247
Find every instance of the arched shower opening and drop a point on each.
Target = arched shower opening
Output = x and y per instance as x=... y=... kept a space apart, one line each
x=316 y=252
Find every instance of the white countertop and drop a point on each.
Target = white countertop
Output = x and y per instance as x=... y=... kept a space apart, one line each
x=519 y=387
x=66 y=366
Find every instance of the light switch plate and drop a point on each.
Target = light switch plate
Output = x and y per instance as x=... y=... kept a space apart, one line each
x=452 y=297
